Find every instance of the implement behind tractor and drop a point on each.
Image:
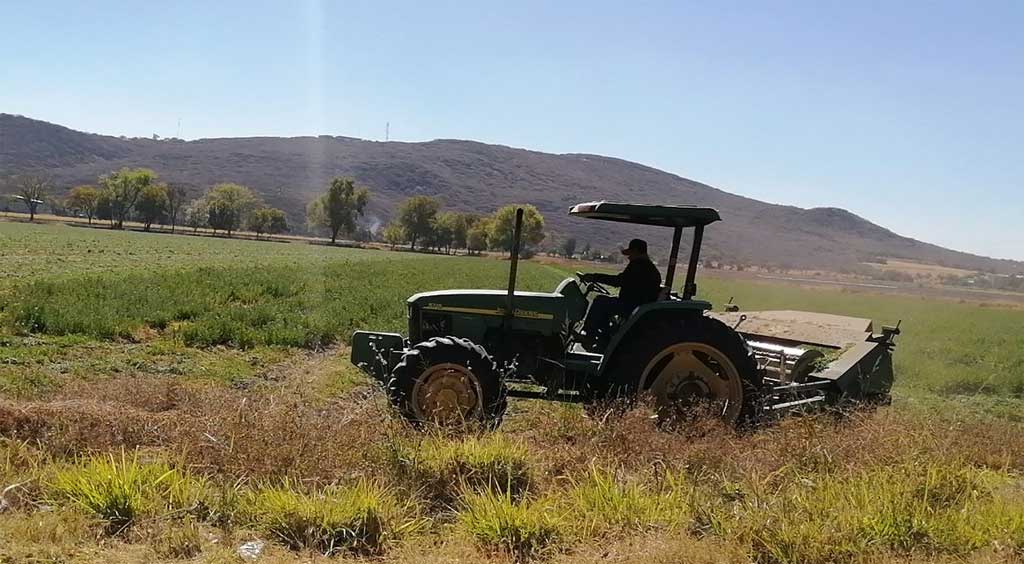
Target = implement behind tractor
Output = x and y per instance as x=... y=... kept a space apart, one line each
x=469 y=350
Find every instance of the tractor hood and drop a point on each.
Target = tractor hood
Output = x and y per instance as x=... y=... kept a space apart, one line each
x=492 y=303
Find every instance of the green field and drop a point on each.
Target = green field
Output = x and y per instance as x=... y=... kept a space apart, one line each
x=216 y=369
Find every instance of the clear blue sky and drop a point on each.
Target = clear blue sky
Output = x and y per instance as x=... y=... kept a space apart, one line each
x=910 y=114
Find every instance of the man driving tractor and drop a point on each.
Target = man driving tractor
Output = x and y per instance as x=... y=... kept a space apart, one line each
x=638 y=284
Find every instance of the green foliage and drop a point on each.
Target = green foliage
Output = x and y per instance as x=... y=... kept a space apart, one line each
x=361 y=519
x=197 y=214
x=931 y=508
x=105 y=207
x=83 y=199
x=292 y=304
x=119 y=489
x=443 y=232
x=601 y=503
x=268 y=220
x=477 y=235
x=970 y=352
x=393 y=234
x=463 y=223
x=416 y=216
x=524 y=530
x=338 y=209
x=152 y=204
x=176 y=197
x=229 y=205
x=122 y=190
x=502 y=227
x=439 y=467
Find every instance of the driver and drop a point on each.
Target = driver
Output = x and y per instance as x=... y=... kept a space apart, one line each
x=638 y=284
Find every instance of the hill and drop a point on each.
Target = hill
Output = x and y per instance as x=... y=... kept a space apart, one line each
x=466 y=175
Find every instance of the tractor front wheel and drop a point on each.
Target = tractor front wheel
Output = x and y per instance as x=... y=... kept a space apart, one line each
x=449 y=382
x=690 y=368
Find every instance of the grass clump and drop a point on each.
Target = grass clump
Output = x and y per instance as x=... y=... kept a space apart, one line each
x=604 y=504
x=44 y=536
x=179 y=540
x=360 y=519
x=930 y=508
x=440 y=468
x=525 y=530
x=120 y=489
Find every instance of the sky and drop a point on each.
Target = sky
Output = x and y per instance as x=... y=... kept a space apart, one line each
x=908 y=113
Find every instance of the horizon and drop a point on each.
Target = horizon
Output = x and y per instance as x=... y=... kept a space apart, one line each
x=888 y=112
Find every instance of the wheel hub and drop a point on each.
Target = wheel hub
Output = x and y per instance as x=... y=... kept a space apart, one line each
x=446 y=394
x=690 y=379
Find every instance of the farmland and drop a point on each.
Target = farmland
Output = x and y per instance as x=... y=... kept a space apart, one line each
x=172 y=397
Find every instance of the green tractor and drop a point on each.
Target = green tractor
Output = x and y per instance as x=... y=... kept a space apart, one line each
x=468 y=351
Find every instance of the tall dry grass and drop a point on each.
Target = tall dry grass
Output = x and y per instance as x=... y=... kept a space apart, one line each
x=899 y=483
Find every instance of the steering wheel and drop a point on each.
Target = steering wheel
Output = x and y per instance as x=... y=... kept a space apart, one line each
x=593 y=286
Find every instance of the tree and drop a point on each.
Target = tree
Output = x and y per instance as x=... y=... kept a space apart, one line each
x=105 y=207
x=569 y=247
x=32 y=191
x=393 y=234
x=462 y=226
x=152 y=204
x=176 y=196
x=503 y=227
x=197 y=214
x=416 y=216
x=444 y=227
x=268 y=220
x=338 y=209
x=229 y=205
x=124 y=187
x=476 y=236
x=84 y=199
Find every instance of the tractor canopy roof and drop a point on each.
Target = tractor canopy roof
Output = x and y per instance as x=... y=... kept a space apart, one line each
x=645 y=214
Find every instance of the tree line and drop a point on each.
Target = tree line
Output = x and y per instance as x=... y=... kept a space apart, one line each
x=419 y=222
x=139 y=195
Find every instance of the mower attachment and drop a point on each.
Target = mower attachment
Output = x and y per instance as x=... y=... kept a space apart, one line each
x=817 y=357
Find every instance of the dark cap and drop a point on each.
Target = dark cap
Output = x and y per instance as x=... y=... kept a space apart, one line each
x=636 y=246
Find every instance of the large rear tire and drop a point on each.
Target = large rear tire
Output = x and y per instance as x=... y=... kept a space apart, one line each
x=449 y=382
x=690 y=367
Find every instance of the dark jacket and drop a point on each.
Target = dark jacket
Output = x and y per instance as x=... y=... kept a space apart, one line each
x=638 y=284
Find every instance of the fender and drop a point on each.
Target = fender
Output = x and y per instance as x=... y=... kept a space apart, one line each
x=648 y=312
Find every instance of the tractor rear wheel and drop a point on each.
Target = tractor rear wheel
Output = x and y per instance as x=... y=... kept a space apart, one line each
x=449 y=382
x=690 y=368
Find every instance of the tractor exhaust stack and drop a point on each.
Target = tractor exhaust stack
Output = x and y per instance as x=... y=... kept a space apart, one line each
x=513 y=266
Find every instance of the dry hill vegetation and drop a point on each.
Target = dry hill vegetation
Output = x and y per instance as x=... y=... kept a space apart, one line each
x=170 y=398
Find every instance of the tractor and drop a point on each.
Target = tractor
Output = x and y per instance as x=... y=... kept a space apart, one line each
x=468 y=351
